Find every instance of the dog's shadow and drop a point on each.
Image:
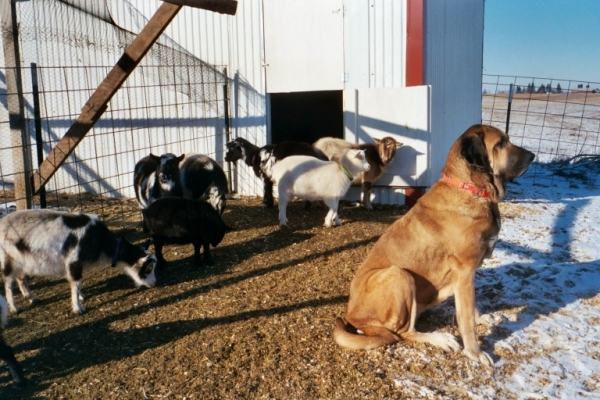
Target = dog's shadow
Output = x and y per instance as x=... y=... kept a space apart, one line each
x=544 y=283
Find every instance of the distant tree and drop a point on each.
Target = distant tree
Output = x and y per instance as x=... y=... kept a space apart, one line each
x=558 y=88
x=548 y=88
x=530 y=88
x=485 y=92
x=519 y=90
x=542 y=88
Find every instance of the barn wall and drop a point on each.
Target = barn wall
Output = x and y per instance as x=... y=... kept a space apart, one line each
x=375 y=44
x=453 y=68
x=374 y=57
x=235 y=41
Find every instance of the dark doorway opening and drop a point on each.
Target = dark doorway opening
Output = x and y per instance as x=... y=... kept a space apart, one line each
x=306 y=116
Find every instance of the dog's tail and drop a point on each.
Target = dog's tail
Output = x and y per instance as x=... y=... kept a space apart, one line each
x=375 y=336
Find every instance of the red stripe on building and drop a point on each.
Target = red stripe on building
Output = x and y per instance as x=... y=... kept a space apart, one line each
x=414 y=43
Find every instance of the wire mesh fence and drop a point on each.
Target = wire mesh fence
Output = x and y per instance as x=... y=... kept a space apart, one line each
x=172 y=102
x=559 y=120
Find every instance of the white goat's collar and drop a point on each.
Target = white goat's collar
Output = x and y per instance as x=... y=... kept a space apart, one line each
x=346 y=172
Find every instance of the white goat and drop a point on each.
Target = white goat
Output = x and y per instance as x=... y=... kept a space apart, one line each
x=312 y=179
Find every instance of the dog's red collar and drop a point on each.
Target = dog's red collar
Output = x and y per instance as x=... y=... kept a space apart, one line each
x=466 y=186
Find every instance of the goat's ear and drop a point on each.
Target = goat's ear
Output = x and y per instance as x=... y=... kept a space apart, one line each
x=473 y=150
x=155 y=158
x=180 y=158
x=377 y=140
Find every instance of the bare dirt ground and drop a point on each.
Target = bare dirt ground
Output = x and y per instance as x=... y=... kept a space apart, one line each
x=257 y=324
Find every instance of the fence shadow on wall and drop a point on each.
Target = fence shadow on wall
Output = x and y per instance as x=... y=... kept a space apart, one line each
x=145 y=116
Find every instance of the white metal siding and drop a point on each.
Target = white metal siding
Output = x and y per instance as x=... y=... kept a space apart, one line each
x=375 y=43
x=236 y=41
x=453 y=68
x=374 y=34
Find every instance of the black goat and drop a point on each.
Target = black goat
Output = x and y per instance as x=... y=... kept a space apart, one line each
x=173 y=220
x=6 y=352
x=203 y=178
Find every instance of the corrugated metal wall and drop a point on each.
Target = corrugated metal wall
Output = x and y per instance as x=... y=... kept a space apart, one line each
x=453 y=68
x=375 y=43
x=236 y=41
x=374 y=57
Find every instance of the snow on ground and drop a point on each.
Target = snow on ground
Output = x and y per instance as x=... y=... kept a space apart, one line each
x=545 y=271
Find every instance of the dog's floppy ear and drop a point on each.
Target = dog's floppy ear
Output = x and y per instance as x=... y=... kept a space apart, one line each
x=473 y=150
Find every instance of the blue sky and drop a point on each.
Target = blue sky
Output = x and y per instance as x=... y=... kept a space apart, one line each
x=557 y=39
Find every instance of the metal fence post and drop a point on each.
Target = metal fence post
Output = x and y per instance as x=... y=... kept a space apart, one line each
x=510 y=96
x=226 y=116
x=37 y=115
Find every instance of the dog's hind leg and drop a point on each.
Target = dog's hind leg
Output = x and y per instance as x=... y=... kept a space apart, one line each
x=445 y=341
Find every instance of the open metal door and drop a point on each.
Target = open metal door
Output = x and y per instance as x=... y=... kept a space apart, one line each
x=402 y=113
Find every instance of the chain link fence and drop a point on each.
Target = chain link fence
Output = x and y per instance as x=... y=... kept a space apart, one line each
x=559 y=120
x=172 y=102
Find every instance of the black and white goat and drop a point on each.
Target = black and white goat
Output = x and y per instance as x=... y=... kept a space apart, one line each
x=181 y=221
x=262 y=159
x=56 y=243
x=312 y=179
x=379 y=155
x=155 y=177
x=6 y=352
x=192 y=176
x=203 y=178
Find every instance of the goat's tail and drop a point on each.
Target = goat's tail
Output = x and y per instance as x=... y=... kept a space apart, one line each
x=347 y=336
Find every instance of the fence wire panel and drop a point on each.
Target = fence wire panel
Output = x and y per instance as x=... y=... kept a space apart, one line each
x=172 y=102
x=559 y=120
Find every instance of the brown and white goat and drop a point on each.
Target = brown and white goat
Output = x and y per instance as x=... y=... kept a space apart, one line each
x=262 y=159
x=56 y=243
x=312 y=179
x=379 y=155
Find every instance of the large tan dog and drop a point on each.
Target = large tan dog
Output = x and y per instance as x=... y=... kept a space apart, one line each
x=433 y=251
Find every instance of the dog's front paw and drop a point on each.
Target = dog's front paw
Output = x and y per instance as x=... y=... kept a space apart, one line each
x=445 y=341
x=480 y=357
x=488 y=320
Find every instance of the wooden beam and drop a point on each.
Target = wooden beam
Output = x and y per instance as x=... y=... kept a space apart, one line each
x=98 y=102
x=18 y=137
x=221 y=6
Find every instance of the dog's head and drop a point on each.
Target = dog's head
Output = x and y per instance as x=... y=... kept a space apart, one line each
x=484 y=156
